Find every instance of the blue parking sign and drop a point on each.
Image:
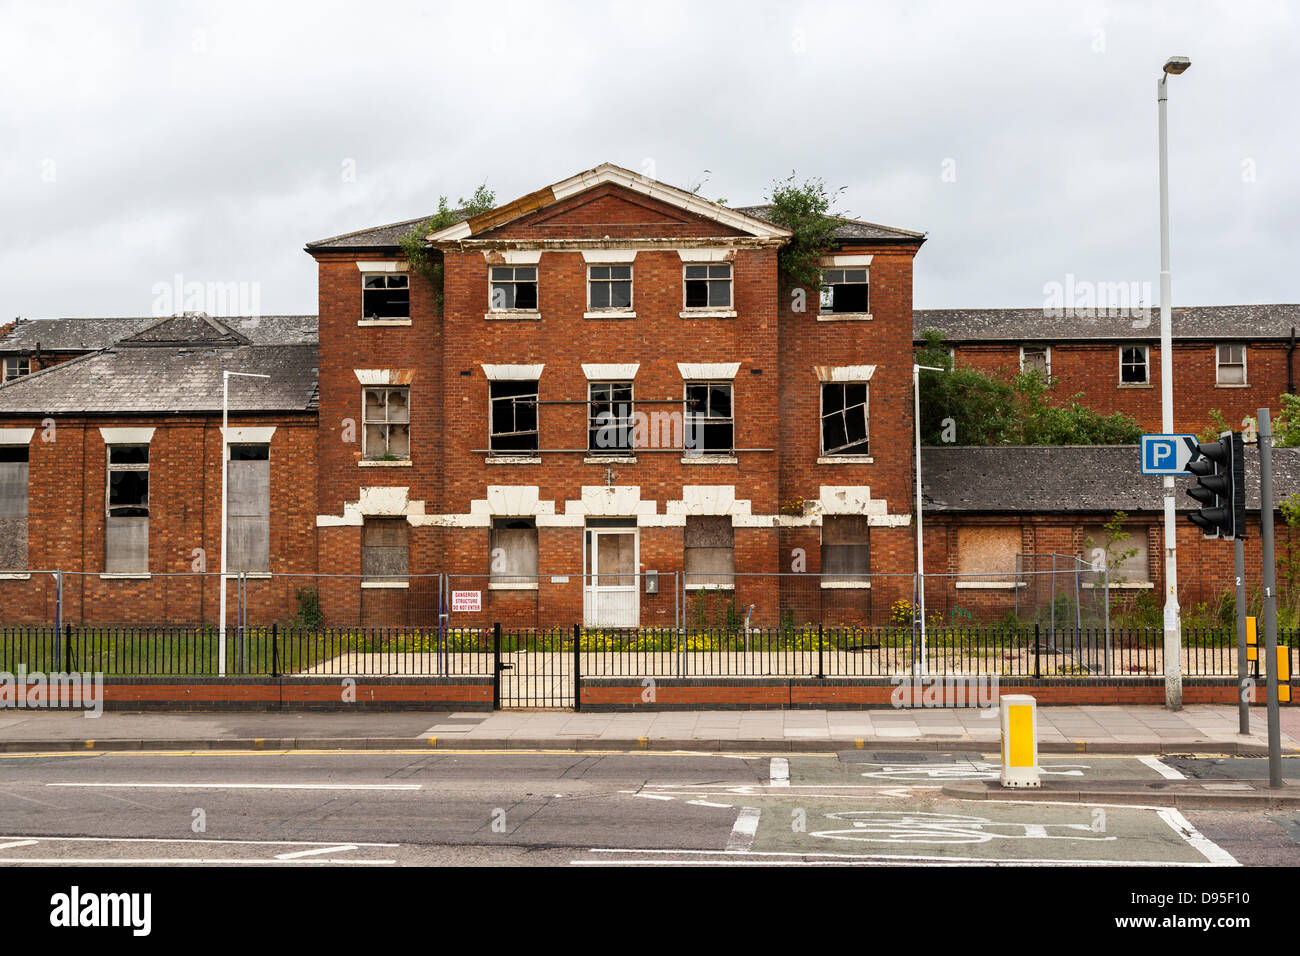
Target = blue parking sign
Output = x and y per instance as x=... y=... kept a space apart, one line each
x=1168 y=454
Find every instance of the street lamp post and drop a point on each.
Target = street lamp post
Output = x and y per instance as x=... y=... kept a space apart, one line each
x=225 y=458
x=1173 y=627
x=920 y=546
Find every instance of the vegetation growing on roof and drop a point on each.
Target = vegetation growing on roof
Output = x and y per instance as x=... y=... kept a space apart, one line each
x=964 y=406
x=804 y=209
x=420 y=256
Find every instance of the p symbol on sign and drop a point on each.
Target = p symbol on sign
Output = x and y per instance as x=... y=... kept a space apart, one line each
x=1162 y=453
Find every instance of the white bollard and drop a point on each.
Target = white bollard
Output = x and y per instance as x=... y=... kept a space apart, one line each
x=1019 y=740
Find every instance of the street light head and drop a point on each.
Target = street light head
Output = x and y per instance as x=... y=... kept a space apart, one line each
x=1177 y=64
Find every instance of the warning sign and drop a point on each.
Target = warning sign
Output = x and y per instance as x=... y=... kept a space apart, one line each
x=467 y=600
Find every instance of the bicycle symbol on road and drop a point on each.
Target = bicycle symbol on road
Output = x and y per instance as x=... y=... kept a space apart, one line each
x=904 y=826
x=963 y=770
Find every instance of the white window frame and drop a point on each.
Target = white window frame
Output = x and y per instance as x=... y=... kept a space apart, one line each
x=629 y=423
x=386 y=276
x=729 y=308
x=514 y=267
x=631 y=284
x=821 y=418
x=697 y=453
x=16 y=362
x=365 y=452
x=1146 y=366
x=1047 y=351
x=1219 y=365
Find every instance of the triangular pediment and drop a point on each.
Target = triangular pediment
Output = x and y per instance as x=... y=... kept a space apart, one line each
x=192 y=328
x=609 y=201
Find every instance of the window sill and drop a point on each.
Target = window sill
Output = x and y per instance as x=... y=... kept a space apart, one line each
x=512 y=460
x=1125 y=585
x=512 y=586
x=846 y=585
x=381 y=463
x=250 y=575
x=609 y=460
x=711 y=460
x=989 y=585
x=506 y=315
x=708 y=313
x=846 y=460
x=364 y=323
x=15 y=576
x=844 y=317
x=1232 y=384
x=609 y=314
x=1135 y=385
x=125 y=576
x=385 y=585
x=710 y=587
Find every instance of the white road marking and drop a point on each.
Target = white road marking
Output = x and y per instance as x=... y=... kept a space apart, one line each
x=742 y=834
x=246 y=786
x=86 y=839
x=341 y=847
x=792 y=858
x=1216 y=854
x=779 y=772
x=706 y=803
x=187 y=860
x=653 y=796
x=10 y=846
x=315 y=850
x=1162 y=768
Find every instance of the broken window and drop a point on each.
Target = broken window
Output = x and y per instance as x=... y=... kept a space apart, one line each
x=845 y=420
x=609 y=418
x=708 y=287
x=126 y=530
x=248 y=508
x=1231 y=365
x=710 y=427
x=13 y=507
x=16 y=368
x=386 y=296
x=514 y=287
x=609 y=287
x=1037 y=358
x=710 y=552
x=1133 y=365
x=846 y=555
x=844 y=290
x=387 y=434
x=513 y=417
x=385 y=551
x=513 y=544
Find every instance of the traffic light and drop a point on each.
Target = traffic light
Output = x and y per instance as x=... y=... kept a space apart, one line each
x=1220 y=472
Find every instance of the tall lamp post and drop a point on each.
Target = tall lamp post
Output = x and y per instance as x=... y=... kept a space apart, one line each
x=920 y=546
x=1173 y=627
x=225 y=458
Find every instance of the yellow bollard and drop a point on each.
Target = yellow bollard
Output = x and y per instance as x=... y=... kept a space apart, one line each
x=1252 y=640
x=1019 y=740
x=1283 y=674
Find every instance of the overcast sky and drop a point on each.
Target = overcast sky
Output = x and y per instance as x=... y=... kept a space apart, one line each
x=139 y=141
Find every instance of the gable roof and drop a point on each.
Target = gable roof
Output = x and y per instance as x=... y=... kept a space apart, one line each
x=192 y=328
x=1203 y=322
x=92 y=334
x=1020 y=479
x=167 y=379
x=618 y=176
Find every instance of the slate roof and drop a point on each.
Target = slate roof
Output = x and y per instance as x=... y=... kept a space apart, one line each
x=1063 y=478
x=128 y=380
x=90 y=334
x=1201 y=322
x=856 y=229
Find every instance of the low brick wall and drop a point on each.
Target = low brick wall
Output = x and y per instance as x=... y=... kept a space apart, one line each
x=298 y=693
x=626 y=694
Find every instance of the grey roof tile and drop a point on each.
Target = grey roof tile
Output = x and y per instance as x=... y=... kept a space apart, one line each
x=1059 y=478
x=81 y=334
x=1235 y=322
x=848 y=228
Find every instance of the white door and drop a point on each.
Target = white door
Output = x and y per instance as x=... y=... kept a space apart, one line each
x=611 y=596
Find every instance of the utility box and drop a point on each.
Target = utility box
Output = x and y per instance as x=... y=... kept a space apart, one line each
x=1019 y=741
x=652 y=582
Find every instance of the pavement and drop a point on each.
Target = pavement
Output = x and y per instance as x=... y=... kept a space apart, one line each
x=1197 y=729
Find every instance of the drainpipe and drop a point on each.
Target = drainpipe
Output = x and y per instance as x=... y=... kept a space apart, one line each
x=1290 y=364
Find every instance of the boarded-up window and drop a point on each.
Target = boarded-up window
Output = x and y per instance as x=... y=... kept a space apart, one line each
x=1128 y=559
x=990 y=552
x=710 y=552
x=846 y=555
x=126 y=527
x=513 y=546
x=1036 y=358
x=385 y=550
x=13 y=507
x=248 y=508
